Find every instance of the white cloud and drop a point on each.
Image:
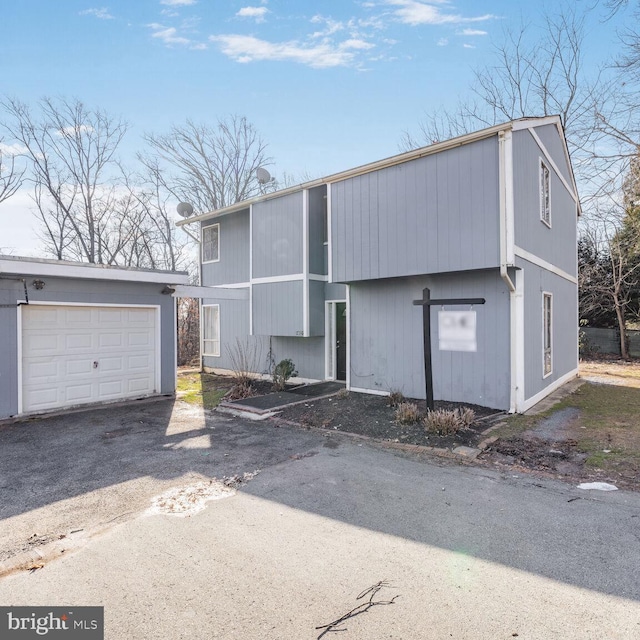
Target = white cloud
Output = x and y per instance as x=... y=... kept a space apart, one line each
x=468 y=46
x=356 y=43
x=246 y=49
x=443 y=42
x=472 y=32
x=416 y=12
x=169 y=36
x=12 y=149
x=102 y=14
x=258 y=13
x=178 y=3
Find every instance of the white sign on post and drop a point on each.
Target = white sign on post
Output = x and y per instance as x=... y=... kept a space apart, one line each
x=457 y=330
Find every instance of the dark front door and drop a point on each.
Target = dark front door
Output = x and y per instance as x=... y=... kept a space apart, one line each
x=341 y=340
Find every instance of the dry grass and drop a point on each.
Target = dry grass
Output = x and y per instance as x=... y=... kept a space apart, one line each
x=446 y=422
x=618 y=372
x=407 y=413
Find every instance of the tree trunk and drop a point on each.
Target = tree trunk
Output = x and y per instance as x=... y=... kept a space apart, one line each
x=622 y=327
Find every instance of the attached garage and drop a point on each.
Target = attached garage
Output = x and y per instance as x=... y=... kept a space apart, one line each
x=76 y=334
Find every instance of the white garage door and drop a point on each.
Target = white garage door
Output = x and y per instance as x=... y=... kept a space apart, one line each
x=74 y=355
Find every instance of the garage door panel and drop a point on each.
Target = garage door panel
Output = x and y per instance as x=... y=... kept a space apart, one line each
x=61 y=344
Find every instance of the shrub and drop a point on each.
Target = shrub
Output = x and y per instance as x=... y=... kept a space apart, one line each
x=395 y=398
x=407 y=413
x=245 y=356
x=240 y=390
x=446 y=422
x=343 y=393
x=284 y=370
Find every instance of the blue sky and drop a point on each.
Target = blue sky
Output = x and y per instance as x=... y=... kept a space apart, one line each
x=329 y=84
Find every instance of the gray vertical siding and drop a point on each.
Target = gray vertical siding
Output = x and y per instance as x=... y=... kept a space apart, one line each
x=433 y=214
x=10 y=291
x=234 y=335
x=549 y=137
x=334 y=291
x=317 y=207
x=233 y=265
x=306 y=353
x=277 y=309
x=277 y=236
x=316 y=308
x=556 y=245
x=387 y=345
x=85 y=292
x=565 y=327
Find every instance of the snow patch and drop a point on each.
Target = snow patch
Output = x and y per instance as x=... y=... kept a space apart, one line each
x=600 y=486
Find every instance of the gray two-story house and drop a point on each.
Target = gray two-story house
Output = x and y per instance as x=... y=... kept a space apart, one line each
x=326 y=273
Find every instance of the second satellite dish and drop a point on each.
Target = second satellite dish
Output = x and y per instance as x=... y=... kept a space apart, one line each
x=184 y=209
x=263 y=175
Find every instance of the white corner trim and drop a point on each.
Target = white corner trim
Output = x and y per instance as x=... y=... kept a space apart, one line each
x=319 y=277
x=329 y=241
x=525 y=123
x=348 y=330
x=518 y=310
x=533 y=400
x=530 y=257
x=553 y=165
x=250 y=270
x=509 y=204
x=305 y=263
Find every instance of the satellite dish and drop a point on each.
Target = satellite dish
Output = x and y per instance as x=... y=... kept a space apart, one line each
x=184 y=209
x=263 y=175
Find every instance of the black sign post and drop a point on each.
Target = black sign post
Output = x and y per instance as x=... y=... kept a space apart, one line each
x=426 y=304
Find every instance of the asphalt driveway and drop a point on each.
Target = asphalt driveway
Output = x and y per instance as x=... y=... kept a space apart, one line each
x=470 y=552
x=81 y=472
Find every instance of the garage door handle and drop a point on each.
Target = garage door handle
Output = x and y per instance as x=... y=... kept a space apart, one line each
x=95 y=364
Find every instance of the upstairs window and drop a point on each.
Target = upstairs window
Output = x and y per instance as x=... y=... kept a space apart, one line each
x=547 y=328
x=545 y=199
x=211 y=330
x=211 y=243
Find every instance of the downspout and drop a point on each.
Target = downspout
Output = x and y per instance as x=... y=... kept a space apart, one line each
x=506 y=252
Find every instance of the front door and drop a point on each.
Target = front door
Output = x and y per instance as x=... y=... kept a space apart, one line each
x=341 y=340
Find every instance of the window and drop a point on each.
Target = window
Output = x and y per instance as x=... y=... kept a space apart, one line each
x=211 y=243
x=211 y=330
x=545 y=200
x=547 y=333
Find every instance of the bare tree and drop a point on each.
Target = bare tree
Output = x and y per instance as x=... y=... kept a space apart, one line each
x=11 y=177
x=71 y=152
x=210 y=167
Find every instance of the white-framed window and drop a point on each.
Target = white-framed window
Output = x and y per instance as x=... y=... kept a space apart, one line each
x=211 y=243
x=547 y=334
x=545 y=193
x=211 y=330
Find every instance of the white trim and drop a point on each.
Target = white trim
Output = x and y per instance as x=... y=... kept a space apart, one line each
x=175 y=344
x=348 y=331
x=305 y=263
x=319 y=277
x=290 y=277
x=372 y=392
x=232 y=285
x=329 y=344
x=55 y=303
x=530 y=257
x=209 y=226
x=545 y=295
x=518 y=310
x=19 y=368
x=60 y=269
x=533 y=400
x=329 y=242
x=525 y=123
x=251 y=270
x=542 y=166
x=221 y=293
x=204 y=354
x=553 y=165
x=509 y=204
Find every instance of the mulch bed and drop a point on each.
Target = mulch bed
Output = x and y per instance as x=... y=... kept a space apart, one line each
x=372 y=416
